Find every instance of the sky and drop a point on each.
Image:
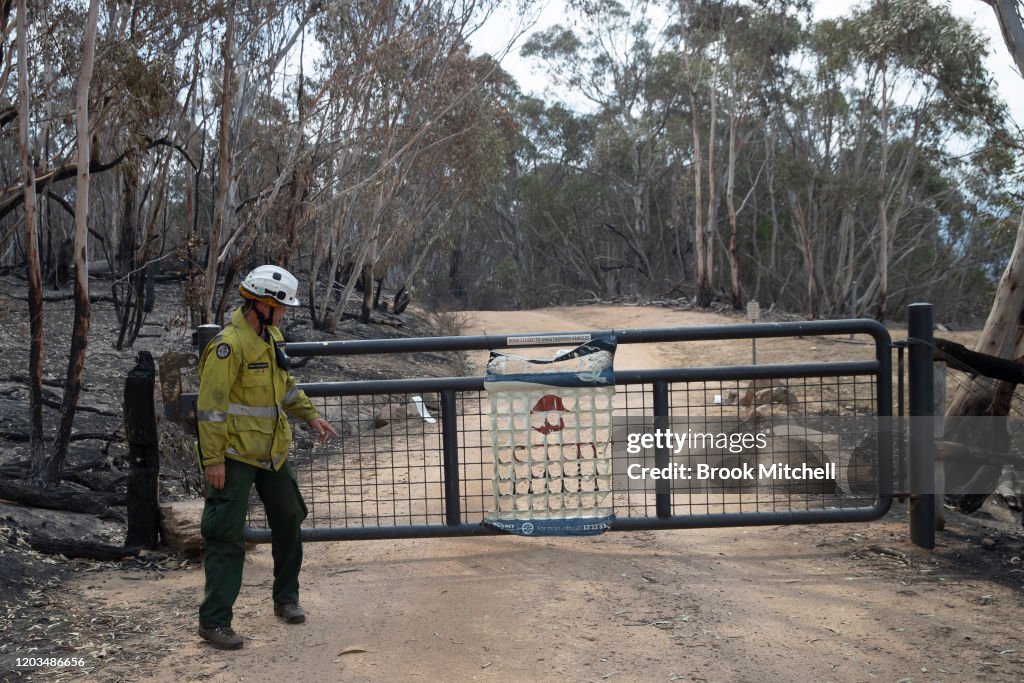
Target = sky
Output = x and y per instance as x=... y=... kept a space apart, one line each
x=499 y=30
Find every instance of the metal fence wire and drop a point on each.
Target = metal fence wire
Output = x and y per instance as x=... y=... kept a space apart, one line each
x=415 y=457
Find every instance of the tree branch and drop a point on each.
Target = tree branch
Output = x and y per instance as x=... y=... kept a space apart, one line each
x=1011 y=23
x=13 y=195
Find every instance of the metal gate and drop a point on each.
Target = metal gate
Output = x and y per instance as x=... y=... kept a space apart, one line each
x=416 y=457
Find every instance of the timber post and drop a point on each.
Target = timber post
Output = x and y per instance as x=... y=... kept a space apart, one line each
x=143 y=455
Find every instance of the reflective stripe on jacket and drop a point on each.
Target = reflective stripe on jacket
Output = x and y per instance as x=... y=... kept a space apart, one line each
x=245 y=399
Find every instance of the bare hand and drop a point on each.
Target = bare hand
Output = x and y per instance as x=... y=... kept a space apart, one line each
x=215 y=475
x=322 y=428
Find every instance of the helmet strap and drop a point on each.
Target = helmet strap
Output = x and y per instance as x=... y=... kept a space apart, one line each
x=264 y=320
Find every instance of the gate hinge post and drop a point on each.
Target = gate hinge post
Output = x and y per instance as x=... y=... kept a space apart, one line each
x=920 y=373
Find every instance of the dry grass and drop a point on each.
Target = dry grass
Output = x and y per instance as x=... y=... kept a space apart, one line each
x=452 y=324
x=449 y=323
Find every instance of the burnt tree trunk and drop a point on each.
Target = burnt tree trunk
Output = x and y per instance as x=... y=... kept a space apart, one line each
x=143 y=455
x=232 y=269
x=960 y=357
x=367 y=306
x=883 y=216
x=402 y=299
x=126 y=257
x=379 y=284
x=222 y=207
x=455 y=286
x=35 y=282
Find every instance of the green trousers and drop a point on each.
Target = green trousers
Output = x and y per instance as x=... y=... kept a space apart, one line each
x=222 y=526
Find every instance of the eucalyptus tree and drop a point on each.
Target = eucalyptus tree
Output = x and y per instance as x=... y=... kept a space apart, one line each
x=735 y=58
x=558 y=203
x=1002 y=334
x=747 y=116
x=257 y=38
x=80 y=332
x=613 y=57
x=678 y=91
x=414 y=107
x=531 y=230
x=925 y=80
x=149 y=78
x=465 y=157
x=701 y=28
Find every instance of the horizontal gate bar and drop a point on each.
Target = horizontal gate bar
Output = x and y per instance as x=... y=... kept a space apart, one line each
x=709 y=521
x=622 y=377
x=673 y=334
x=733 y=372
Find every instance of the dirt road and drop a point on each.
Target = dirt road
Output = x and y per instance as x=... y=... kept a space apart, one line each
x=838 y=602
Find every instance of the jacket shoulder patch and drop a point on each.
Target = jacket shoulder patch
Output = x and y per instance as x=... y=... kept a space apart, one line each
x=223 y=351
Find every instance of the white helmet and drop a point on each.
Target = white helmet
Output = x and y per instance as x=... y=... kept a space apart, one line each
x=271 y=285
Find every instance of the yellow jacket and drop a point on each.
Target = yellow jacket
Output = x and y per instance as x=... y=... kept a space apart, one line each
x=244 y=397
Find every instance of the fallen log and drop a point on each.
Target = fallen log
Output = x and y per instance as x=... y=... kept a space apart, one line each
x=107 y=481
x=381 y=318
x=53 y=403
x=109 y=437
x=72 y=501
x=23 y=379
x=81 y=549
x=104 y=481
x=180 y=526
x=49 y=298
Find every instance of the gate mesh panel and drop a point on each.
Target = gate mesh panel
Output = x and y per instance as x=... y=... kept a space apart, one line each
x=387 y=468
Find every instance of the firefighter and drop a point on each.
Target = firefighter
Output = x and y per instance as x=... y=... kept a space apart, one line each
x=245 y=397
